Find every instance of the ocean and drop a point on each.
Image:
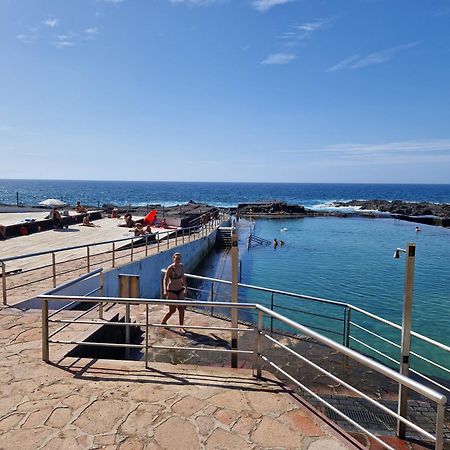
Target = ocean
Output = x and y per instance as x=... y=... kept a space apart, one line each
x=31 y=192
x=346 y=259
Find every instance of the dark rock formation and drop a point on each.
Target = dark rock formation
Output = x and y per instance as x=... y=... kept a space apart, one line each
x=400 y=207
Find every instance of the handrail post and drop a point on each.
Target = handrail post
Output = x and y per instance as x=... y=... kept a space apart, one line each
x=88 y=254
x=54 y=268
x=176 y=237
x=158 y=236
x=102 y=294
x=258 y=345
x=45 y=344
x=406 y=336
x=234 y=296
x=146 y=336
x=440 y=411
x=132 y=249
x=212 y=297
x=168 y=240
x=347 y=324
x=271 y=317
x=146 y=245
x=4 y=283
x=190 y=229
x=114 y=254
x=182 y=236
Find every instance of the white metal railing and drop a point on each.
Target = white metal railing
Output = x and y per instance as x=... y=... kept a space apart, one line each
x=259 y=355
x=132 y=247
x=342 y=325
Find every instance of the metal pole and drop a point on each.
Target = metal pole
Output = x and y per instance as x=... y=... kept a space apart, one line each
x=45 y=349
x=347 y=324
x=4 y=283
x=406 y=335
x=440 y=411
x=114 y=254
x=176 y=238
x=234 y=295
x=102 y=294
x=168 y=239
x=146 y=245
x=183 y=236
x=146 y=336
x=54 y=269
x=212 y=296
x=88 y=251
x=157 y=239
x=258 y=360
x=132 y=249
x=271 y=317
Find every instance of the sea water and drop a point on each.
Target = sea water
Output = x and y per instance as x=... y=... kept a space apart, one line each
x=348 y=260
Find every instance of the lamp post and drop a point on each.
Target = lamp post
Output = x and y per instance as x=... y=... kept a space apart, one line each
x=410 y=252
x=234 y=294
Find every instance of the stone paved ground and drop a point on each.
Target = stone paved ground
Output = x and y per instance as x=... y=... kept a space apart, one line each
x=85 y=403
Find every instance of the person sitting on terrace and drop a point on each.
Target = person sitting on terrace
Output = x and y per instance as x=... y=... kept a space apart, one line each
x=87 y=222
x=139 y=229
x=2 y=232
x=55 y=215
x=79 y=208
x=115 y=214
x=129 y=222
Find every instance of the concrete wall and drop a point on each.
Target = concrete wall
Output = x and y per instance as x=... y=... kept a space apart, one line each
x=149 y=269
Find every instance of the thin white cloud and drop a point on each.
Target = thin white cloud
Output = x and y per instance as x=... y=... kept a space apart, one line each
x=265 y=5
x=279 y=58
x=50 y=22
x=382 y=56
x=4 y=127
x=299 y=32
x=434 y=147
x=430 y=145
x=195 y=2
x=28 y=38
x=63 y=44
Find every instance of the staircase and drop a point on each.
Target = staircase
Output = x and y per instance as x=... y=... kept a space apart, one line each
x=223 y=237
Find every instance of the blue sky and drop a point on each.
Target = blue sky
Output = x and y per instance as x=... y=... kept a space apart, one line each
x=226 y=90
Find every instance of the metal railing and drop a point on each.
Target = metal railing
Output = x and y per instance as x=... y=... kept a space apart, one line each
x=260 y=356
x=338 y=321
x=131 y=248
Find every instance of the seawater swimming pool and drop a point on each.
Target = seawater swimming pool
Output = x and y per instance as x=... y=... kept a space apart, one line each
x=350 y=260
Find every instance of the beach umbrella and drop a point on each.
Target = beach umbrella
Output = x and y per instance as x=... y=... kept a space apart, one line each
x=52 y=203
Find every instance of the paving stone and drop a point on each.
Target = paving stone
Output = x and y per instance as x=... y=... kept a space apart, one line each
x=227 y=416
x=29 y=440
x=148 y=392
x=57 y=443
x=10 y=422
x=205 y=425
x=268 y=402
x=271 y=433
x=244 y=425
x=75 y=401
x=326 y=444
x=131 y=444
x=101 y=416
x=188 y=406
x=224 y=440
x=302 y=423
x=232 y=399
x=139 y=422
x=177 y=434
x=59 y=417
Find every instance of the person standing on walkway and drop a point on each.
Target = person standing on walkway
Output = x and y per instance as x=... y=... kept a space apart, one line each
x=175 y=287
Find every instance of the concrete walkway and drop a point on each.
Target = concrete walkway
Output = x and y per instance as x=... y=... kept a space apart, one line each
x=84 y=403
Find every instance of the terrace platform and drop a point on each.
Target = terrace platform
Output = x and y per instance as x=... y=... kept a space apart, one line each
x=81 y=403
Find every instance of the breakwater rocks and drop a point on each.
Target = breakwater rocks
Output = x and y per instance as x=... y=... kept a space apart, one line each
x=401 y=207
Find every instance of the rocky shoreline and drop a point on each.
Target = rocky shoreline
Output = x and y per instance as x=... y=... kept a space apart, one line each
x=420 y=212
